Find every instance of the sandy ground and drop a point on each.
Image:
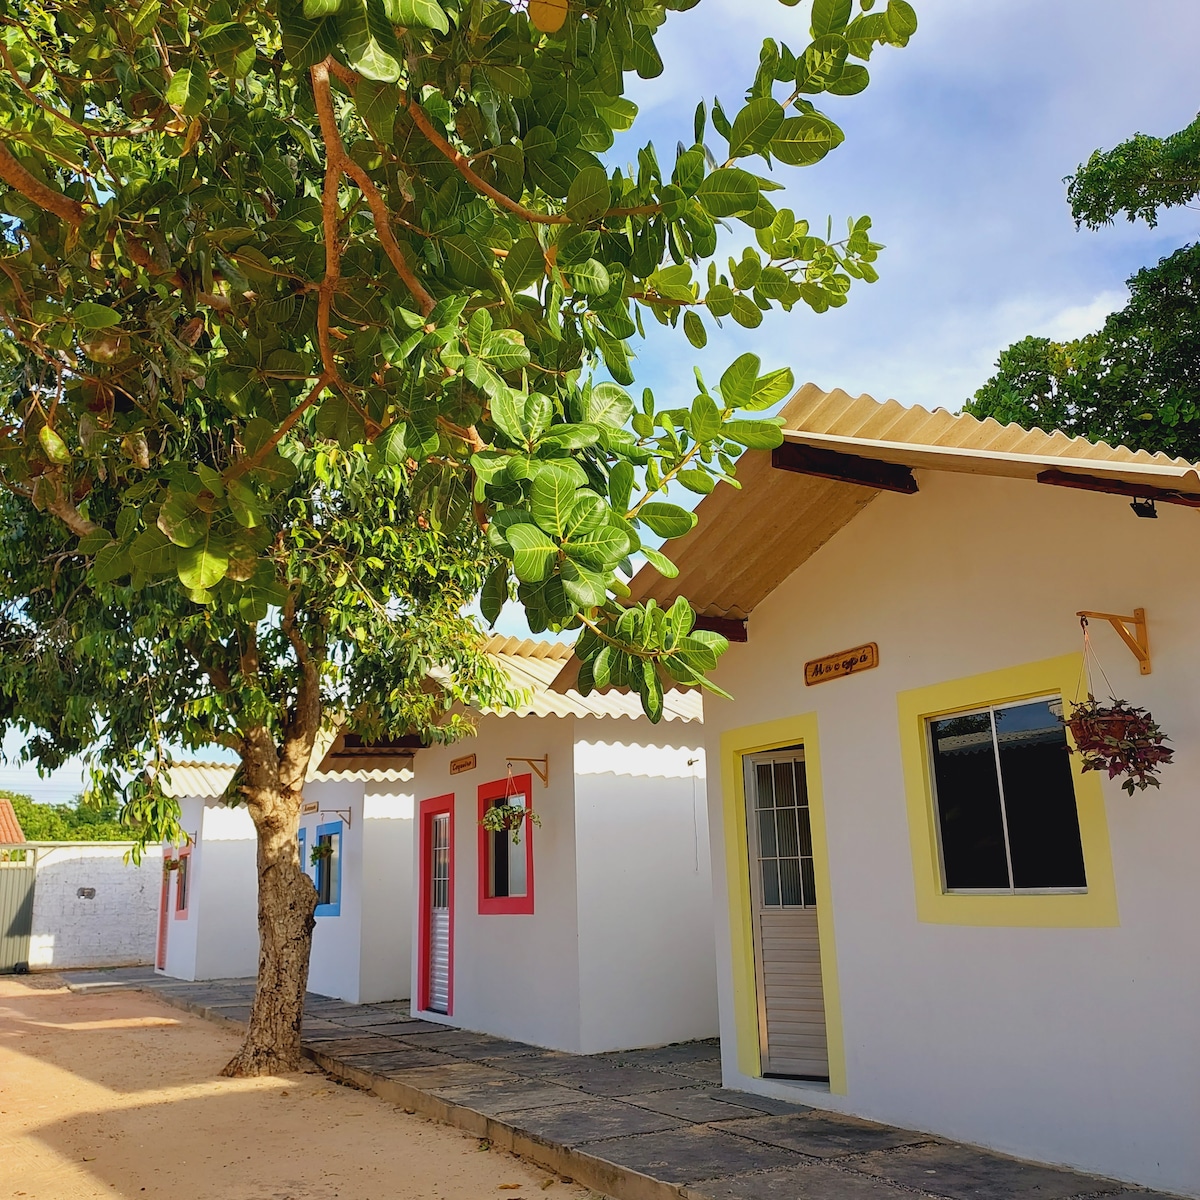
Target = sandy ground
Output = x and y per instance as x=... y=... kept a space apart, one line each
x=118 y=1094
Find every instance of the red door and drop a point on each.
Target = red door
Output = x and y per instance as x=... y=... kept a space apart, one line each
x=435 y=968
x=163 y=912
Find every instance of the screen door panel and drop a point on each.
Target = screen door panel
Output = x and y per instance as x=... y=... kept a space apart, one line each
x=787 y=947
x=439 y=914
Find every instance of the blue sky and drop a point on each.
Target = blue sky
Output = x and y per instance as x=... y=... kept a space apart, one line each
x=957 y=151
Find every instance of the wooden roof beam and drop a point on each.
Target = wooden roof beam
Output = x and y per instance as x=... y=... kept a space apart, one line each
x=728 y=627
x=1119 y=487
x=844 y=468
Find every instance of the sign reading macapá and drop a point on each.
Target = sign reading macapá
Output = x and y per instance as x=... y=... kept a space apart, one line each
x=845 y=662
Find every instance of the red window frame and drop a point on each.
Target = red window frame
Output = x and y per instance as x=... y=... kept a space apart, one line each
x=498 y=789
x=426 y=811
x=181 y=914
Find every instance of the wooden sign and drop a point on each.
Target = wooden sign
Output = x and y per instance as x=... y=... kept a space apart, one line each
x=846 y=662
x=459 y=765
x=310 y=807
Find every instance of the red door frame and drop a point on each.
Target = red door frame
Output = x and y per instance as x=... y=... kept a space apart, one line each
x=164 y=909
x=428 y=809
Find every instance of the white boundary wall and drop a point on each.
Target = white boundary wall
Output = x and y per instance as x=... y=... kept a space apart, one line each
x=92 y=909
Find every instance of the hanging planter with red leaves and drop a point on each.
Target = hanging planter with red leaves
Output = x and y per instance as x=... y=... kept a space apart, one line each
x=1119 y=738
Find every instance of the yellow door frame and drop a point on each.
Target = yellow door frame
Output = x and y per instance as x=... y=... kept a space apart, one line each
x=736 y=745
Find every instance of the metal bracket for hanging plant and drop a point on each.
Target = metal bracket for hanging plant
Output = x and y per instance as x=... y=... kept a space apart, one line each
x=539 y=766
x=343 y=813
x=1131 y=630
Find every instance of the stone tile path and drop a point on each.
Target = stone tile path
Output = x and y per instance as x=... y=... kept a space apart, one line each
x=638 y=1125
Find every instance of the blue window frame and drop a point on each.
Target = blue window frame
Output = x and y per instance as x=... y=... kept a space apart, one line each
x=329 y=870
x=303 y=835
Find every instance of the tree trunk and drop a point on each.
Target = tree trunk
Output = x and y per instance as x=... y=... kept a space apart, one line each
x=286 y=901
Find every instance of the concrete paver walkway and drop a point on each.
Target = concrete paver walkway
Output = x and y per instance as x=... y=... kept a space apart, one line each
x=637 y=1125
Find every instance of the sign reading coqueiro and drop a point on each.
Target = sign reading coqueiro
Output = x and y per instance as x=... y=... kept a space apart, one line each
x=845 y=662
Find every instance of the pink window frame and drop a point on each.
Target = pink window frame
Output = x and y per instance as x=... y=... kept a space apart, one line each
x=181 y=914
x=498 y=789
x=426 y=811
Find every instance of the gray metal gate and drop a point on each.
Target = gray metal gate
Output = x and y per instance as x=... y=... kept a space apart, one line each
x=16 y=911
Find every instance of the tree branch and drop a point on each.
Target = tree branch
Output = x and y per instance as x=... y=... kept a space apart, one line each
x=301 y=733
x=60 y=505
x=338 y=163
x=249 y=461
x=32 y=188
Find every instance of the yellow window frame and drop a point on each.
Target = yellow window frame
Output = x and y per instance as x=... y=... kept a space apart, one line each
x=1097 y=906
x=736 y=745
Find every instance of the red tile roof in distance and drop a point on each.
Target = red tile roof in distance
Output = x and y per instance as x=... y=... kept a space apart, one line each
x=10 y=827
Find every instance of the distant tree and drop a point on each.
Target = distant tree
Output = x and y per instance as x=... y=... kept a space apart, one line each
x=74 y=822
x=1135 y=382
x=1138 y=178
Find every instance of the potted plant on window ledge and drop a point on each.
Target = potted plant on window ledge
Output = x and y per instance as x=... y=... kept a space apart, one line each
x=508 y=818
x=1119 y=738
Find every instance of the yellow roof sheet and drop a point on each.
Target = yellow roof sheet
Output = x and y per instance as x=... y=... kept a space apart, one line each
x=748 y=541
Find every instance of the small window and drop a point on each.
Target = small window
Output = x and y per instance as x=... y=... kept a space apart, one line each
x=785 y=846
x=1006 y=809
x=182 y=883
x=328 y=846
x=506 y=856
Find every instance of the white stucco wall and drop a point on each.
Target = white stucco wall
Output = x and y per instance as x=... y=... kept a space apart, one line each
x=115 y=926
x=334 y=969
x=647 y=960
x=1076 y=1046
x=218 y=938
x=388 y=894
x=516 y=976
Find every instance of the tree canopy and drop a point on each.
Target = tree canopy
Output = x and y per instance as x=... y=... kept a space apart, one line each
x=318 y=321
x=68 y=822
x=389 y=223
x=1136 y=382
x=1138 y=178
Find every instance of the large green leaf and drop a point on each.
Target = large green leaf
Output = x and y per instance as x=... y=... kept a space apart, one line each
x=802 y=141
x=533 y=552
x=587 y=198
x=369 y=41
x=830 y=16
x=737 y=383
x=755 y=126
x=188 y=89
x=551 y=500
x=427 y=14
x=152 y=553
x=755 y=435
x=728 y=191
x=89 y=315
x=203 y=565
x=667 y=520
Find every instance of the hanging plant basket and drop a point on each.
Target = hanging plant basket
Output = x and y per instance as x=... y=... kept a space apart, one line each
x=170 y=864
x=1119 y=738
x=320 y=851
x=508 y=818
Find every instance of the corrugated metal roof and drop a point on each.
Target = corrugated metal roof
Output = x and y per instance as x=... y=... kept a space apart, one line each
x=785 y=517
x=533 y=667
x=10 y=827
x=210 y=779
x=747 y=542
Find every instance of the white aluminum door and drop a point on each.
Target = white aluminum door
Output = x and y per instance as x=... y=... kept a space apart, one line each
x=439 y=914
x=787 y=948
